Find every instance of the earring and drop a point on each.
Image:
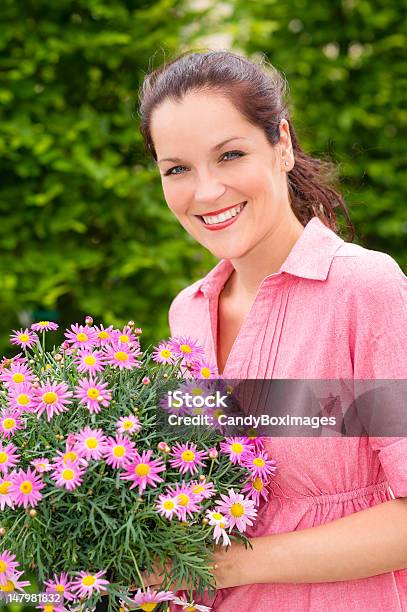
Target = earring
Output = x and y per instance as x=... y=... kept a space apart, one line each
x=286 y=163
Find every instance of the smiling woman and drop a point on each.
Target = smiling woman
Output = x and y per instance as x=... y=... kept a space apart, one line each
x=288 y=299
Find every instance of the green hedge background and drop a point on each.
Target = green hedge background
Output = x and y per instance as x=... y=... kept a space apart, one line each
x=84 y=225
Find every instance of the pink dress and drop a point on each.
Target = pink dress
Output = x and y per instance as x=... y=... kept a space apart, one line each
x=334 y=310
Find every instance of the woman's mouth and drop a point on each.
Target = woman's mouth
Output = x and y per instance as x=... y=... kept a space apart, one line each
x=222 y=220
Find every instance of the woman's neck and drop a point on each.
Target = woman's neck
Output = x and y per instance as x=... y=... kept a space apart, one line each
x=264 y=259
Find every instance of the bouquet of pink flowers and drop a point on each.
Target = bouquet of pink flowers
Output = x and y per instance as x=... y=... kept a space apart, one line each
x=94 y=489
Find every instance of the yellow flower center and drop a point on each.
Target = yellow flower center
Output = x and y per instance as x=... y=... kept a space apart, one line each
x=3 y=457
x=103 y=335
x=165 y=353
x=24 y=337
x=188 y=456
x=48 y=607
x=183 y=499
x=3 y=566
x=88 y=580
x=119 y=451
x=42 y=466
x=142 y=469
x=127 y=424
x=259 y=462
x=70 y=456
x=197 y=411
x=237 y=447
x=81 y=337
x=4 y=487
x=60 y=588
x=258 y=484
x=124 y=339
x=185 y=348
x=50 y=397
x=205 y=372
x=8 y=587
x=217 y=516
x=169 y=504
x=18 y=377
x=197 y=391
x=93 y=393
x=237 y=510
x=26 y=487
x=198 y=489
x=121 y=356
x=218 y=412
x=9 y=423
x=68 y=474
x=190 y=609
x=92 y=443
x=43 y=323
x=148 y=606
x=90 y=360
x=23 y=399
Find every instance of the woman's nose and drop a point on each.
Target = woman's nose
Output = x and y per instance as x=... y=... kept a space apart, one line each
x=209 y=189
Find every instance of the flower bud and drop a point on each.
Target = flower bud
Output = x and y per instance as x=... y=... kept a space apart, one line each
x=2 y=531
x=131 y=324
x=205 y=521
x=58 y=357
x=146 y=380
x=163 y=447
x=202 y=477
x=213 y=453
x=88 y=320
x=138 y=331
x=65 y=345
x=33 y=513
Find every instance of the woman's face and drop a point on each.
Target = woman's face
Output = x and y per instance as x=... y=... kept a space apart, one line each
x=245 y=177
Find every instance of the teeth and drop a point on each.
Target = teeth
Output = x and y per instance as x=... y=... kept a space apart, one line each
x=229 y=214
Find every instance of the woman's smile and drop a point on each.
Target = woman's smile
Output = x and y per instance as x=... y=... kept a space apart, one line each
x=223 y=218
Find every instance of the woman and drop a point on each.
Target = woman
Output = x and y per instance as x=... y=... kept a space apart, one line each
x=288 y=299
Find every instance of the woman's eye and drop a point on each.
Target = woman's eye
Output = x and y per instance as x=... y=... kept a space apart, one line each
x=171 y=173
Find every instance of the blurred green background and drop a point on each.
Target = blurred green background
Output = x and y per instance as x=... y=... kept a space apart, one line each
x=84 y=225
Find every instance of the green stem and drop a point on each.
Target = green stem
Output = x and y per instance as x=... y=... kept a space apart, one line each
x=137 y=570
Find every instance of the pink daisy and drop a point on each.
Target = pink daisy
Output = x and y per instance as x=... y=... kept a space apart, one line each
x=8 y=566
x=239 y=510
x=162 y=353
x=68 y=475
x=203 y=369
x=256 y=441
x=69 y=456
x=87 y=584
x=126 y=337
x=8 y=457
x=187 y=501
x=256 y=489
x=121 y=356
x=42 y=326
x=22 y=397
x=186 y=348
x=41 y=465
x=6 y=499
x=94 y=393
x=236 y=448
x=190 y=606
x=10 y=421
x=62 y=585
x=187 y=458
x=146 y=599
x=128 y=424
x=25 y=488
x=202 y=489
x=52 y=398
x=18 y=374
x=81 y=336
x=103 y=335
x=259 y=464
x=24 y=338
x=90 y=443
x=143 y=471
x=167 y=505
x=90 y=361
x=219 y=522
x=14 y=583
x=120 y=450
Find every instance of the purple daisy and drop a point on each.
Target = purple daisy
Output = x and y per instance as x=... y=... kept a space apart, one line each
x=41 y=465
x=90 y=361
x=186 y=348
x=236 y=448
x=259 y=464
x=6 y=499
x=81 y=336
x=8 y=457
x=22 y=397
x=202 y=489
x=90 y=443
x=239 y=510
x=17 y=375
x=103 y=335
x=149 y=599
x=86 y=584
x=15 y=584
x=256 y=489
x=120 y=450
x=128 y=424
x=68 y=475
x=10 y=421
x=126 y=337
x=121 y=356
x=62 y=585
x=94 y=393
x=186 y=457
x=204 y=369
x=8 y=566
x=187 y=501
x=167 y=505
x=43 y=326
x=143 y=471
x=52 y=398
x=162 y=353
x=25 y=488
x=24 y=338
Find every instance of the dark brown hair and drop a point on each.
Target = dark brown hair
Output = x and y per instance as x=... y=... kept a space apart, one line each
x=259 y=92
